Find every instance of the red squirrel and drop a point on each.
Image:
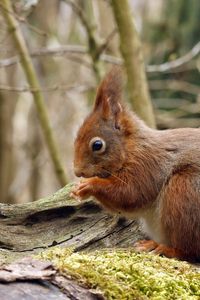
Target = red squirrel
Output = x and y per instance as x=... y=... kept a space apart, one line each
x=141 y=172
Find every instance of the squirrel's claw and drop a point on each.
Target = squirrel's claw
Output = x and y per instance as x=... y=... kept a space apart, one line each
x=83 y=190
x=145 y=245
x=159 y=249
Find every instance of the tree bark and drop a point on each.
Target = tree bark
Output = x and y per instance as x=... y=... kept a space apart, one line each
x=26 y=229
x=61 y=220
x=58 y=219
x=8 y=102
x=131 y=50
x=7 y=109
x=34 y=279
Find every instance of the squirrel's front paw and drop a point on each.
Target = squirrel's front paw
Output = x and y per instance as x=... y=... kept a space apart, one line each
x=84 y=189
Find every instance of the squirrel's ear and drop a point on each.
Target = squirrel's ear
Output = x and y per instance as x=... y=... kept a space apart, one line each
x=108 y=99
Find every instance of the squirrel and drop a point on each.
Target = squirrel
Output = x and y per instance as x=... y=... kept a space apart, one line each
x=140 y=172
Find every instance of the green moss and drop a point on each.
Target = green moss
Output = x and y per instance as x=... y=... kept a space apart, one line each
x=124 y=274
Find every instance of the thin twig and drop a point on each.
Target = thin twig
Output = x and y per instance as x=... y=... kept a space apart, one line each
x=168 y=66
x=79 y=60
x=78 y=49
x=55 y=88
x=175 y=85
x=24 y=20
x=93 y=40
x=32 y=27
x=81 y=15
x=57 y=51
x=111 y=59
x=104 y=46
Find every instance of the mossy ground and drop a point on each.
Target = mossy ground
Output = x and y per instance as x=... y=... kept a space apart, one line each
x=123 y=274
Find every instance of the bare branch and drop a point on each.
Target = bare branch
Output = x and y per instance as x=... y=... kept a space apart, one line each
x=32 y=27
x=111 y=59
x=79 y=49
x=55 y=88
x=24 y=20
x=93 y=41
x=57 y=51
x=168 y=66
x=60 y=50
x=77 y=59
x=81 y=15
x=104 y=46
x=174 y=85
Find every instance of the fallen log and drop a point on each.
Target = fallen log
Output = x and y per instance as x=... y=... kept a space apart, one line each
x=61 y=220
x=29 y=228
x=35 y=279
x=26 y=229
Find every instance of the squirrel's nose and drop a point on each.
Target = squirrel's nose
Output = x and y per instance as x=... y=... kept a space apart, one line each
x=78 y=172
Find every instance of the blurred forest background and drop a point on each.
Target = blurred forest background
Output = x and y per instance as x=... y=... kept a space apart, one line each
x=61 y=36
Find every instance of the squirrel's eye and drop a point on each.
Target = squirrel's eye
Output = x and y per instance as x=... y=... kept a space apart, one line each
x=97 y=145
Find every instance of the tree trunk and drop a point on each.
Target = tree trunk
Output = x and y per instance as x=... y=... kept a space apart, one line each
x=131 y=50
x=8 y=101
x=7 y=106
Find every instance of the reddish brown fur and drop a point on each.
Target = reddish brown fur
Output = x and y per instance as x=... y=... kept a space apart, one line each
x=154 y=175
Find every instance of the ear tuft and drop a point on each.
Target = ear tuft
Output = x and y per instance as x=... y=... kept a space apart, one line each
x=110 y=90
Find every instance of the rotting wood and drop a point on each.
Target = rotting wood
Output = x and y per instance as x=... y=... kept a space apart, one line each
x=38 y=279
x=57 y=219
x=61 y=220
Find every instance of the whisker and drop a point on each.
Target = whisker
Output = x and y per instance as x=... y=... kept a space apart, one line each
x=116 y=176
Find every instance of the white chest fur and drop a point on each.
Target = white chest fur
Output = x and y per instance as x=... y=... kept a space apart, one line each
x=151 y=224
